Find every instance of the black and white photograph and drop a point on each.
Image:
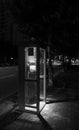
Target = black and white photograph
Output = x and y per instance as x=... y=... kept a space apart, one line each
x=39 y=65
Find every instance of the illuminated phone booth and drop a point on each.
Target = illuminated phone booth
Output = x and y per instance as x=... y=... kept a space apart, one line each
x=32 y=78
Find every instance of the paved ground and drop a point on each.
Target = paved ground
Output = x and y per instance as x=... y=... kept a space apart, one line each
x=55 y=116
x=60 y=113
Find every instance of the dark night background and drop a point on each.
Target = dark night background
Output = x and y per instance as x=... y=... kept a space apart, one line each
x=56 y=20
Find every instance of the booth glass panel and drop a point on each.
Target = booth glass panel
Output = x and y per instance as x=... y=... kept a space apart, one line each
x=30 y=63
x=30 y=95
x=30 y=79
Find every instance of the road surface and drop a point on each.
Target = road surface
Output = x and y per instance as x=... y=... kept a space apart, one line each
x=8 y=81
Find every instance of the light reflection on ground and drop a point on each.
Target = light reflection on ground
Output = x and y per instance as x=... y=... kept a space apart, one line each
x=55 y=113
x=41 y=105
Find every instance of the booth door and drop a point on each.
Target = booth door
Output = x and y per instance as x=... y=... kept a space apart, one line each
x=42 y=78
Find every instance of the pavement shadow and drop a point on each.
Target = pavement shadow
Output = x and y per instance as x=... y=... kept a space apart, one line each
x=42 y=124
x=45 y=124
x=8 y=119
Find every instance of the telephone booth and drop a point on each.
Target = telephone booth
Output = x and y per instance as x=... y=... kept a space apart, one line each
x=32 y=78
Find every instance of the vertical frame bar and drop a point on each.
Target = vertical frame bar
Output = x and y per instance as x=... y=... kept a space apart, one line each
x=21 y=94
x=38 y=78
x=45 y=76
x=44 y=81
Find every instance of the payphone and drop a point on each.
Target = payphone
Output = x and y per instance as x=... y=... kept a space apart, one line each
x=32 y=78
